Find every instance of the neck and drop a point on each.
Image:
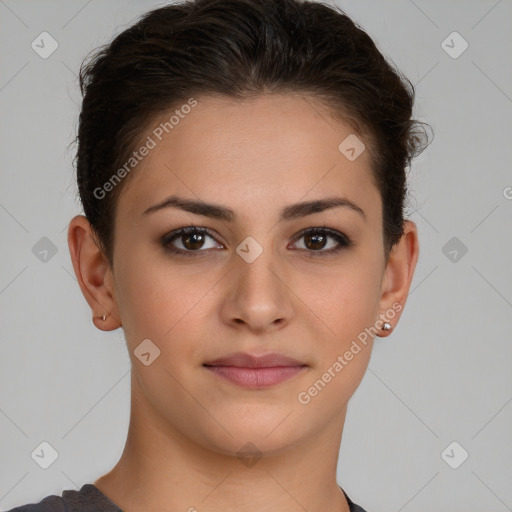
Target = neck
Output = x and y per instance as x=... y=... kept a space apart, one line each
x=161 y=468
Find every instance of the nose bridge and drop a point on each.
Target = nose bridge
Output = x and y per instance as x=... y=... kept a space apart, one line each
x=259 y=275
x=260 y=297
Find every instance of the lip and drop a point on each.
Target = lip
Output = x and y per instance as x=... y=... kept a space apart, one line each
x=245 y=360
x=255 y=372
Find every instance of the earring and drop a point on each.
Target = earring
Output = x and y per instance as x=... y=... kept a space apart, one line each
x=104 y=317
x=386 y=326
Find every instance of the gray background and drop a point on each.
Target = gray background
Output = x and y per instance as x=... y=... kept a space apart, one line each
x=442 y=376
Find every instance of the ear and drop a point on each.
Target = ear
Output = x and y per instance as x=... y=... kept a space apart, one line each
x=93 y=273
x=398 y=275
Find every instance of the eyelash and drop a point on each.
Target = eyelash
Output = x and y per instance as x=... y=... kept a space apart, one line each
x=342 y=240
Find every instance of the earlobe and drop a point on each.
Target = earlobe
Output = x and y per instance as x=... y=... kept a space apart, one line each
x=398 y=276
x=93 y=273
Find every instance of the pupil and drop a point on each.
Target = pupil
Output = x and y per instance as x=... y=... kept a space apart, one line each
x=315 y=238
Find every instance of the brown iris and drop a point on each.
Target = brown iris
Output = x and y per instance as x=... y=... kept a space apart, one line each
x=193 y=240
x=317 y=241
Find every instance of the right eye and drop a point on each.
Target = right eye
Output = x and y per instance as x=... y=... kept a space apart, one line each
x=192 y=240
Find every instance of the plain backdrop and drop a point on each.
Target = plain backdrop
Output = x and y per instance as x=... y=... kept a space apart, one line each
x=438 y=390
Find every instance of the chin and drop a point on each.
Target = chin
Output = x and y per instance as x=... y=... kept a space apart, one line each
x=257 y=437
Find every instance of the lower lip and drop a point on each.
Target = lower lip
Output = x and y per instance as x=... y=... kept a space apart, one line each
x=256 y=378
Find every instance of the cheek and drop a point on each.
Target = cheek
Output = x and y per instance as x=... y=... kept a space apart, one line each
x=146 y=298
x=344 y=299
x=345 y=310
x=160 y=301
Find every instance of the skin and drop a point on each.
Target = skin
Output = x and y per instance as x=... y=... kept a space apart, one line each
x=254 y=156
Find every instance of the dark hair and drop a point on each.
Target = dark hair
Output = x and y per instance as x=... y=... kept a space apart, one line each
x=241 y=48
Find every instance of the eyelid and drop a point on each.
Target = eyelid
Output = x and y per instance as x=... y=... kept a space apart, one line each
x=343 y=240
x=179 y=232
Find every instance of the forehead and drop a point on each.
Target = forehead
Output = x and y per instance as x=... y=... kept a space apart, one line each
x=266 y=150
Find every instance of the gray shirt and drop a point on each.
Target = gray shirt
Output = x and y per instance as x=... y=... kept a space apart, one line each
x=90 y=499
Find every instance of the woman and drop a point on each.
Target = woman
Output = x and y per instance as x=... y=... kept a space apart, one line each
x=241 y=165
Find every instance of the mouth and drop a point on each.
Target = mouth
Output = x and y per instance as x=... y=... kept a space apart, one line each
x=255 y=372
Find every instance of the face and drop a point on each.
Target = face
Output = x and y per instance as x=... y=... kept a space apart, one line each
x=258 y=280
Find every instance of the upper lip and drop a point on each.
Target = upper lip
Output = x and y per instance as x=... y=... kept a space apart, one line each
x=245 y=360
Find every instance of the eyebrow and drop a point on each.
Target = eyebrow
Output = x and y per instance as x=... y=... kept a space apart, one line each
x=289 y=212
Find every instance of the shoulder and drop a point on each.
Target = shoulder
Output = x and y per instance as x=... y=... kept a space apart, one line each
x=88 y=499
x=49 y=504
x=356 y=508
x=353 y=506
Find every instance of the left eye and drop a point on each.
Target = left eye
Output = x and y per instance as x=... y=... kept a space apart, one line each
x=316 y=239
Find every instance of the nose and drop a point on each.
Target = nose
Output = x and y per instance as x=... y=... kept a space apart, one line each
x=258 y=297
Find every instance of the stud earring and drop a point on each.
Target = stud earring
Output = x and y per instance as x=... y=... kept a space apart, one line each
x=386 y=326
